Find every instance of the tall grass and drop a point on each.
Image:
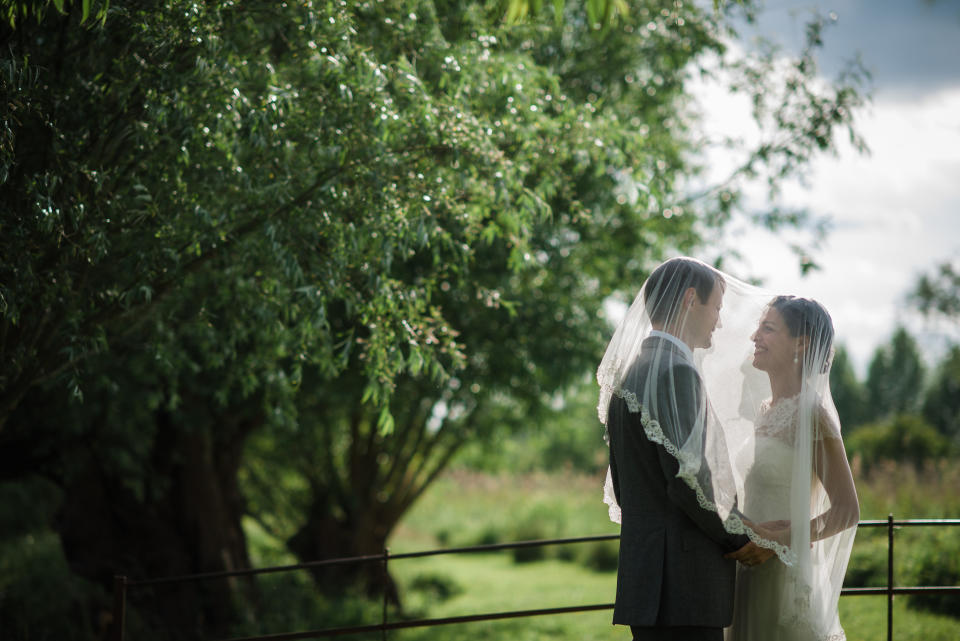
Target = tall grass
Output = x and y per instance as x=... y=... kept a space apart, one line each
x=901 y=489
x=465 y=507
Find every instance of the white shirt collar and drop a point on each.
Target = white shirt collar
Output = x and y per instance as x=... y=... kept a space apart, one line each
x=683 y=347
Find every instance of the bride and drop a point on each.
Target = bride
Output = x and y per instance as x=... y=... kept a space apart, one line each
x=797 y=460
x=765 y=455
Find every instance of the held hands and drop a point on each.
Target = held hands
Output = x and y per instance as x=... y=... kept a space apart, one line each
x=778 y=531
x=750 y=554
x=753 y=554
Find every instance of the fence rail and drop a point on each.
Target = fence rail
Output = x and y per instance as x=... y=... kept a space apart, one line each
x=122 y=585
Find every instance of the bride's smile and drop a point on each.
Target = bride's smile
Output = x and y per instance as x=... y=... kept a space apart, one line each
x=774 y=348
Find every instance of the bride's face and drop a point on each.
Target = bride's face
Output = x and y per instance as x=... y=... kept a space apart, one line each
x=774 y=347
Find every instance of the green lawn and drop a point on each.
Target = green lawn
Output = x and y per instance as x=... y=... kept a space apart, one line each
x=494 y=583
x=465 y=508
x=864 y=618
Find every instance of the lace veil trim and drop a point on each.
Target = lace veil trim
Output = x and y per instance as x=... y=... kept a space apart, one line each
x=733 y=523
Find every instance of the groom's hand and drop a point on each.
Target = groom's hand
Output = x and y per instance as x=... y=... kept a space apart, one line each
x=750 y=554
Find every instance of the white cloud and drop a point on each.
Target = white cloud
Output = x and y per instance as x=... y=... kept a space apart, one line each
x=896 y=212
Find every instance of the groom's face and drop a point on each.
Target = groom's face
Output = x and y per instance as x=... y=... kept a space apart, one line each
x=704 y=317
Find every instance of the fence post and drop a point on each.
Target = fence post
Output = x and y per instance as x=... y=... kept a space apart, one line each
x=119 y=607
x=890 y=577
x=386 y=578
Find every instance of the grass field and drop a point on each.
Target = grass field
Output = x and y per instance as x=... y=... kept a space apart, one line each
x=466 y=508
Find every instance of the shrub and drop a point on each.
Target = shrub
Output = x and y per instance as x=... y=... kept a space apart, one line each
x=566 y=552
x=40 y=598
x=530 y=530
x=489 y=535
x=443 y=537
x=905 y=438
x=936 y=561
x=437 y=587
x=602 y=556
x=868 y=561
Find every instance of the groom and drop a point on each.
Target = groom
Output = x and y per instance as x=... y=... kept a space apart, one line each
x=673 y=582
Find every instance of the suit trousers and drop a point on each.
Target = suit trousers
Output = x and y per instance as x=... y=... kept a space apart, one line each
x=681 y=633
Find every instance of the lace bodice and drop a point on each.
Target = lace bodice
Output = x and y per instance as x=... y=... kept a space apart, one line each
x=780 y=420
x=767 y=482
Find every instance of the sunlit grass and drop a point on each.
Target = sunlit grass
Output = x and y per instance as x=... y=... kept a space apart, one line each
x=494 y=583
x=864 y=618
x=465 y=508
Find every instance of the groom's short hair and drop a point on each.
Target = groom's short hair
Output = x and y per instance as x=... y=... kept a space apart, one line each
x=663 y=291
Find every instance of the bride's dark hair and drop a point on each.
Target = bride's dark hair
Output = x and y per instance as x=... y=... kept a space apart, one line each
x=807 y=317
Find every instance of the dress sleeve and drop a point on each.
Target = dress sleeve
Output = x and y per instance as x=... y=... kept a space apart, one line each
x=833 y=471
x=827 y=425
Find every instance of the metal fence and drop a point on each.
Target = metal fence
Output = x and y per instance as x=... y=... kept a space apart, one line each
x=123 y=585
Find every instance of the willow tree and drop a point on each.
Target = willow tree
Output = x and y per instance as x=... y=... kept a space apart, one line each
x=590 y=140
x=285 y=258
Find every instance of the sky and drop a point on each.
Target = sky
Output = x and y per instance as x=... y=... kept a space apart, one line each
x=895 y=212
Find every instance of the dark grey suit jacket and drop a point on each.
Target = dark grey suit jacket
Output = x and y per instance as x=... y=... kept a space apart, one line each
x=672 y=571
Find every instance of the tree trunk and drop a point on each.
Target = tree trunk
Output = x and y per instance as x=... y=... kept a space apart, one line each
x=361 y=492
x=193 y=526
x=362 y=533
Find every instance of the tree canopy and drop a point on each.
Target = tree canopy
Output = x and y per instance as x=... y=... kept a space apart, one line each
x=282 y=260
x=939 y=292
x=895 y=377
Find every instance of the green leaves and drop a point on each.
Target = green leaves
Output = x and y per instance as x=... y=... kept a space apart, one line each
x=21 y=10
x=939 y=292
x=601 y=13
x=362 y=228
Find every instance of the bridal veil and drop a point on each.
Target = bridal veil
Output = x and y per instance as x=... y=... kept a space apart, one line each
x=710 y=424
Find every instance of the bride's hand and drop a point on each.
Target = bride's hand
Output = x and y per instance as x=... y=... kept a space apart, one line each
x=778 y=531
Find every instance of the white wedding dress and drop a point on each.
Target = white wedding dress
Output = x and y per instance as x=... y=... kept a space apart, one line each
x=769 y=604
